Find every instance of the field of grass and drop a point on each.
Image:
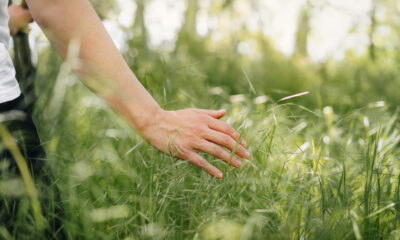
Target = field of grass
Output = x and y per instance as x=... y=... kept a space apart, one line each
x=313 y=174
x=323 y=165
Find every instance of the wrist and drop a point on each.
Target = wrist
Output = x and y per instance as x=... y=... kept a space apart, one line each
x=145 y=119
x=139 y=113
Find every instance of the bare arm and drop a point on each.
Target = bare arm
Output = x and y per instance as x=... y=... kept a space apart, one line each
x=183 y=132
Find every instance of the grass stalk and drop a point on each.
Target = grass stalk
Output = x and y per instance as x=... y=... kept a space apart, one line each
x=26 y=176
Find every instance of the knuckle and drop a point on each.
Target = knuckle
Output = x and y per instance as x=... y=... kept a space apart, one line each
x=202 y=163
x=182 y=152
x=181 y=143
x=196 y=129
x=204 y=134
x=203 y=118
x=203 y=128
x=226 y=128
x=235 y=135
x=199 y=132
x=198 y=145
x=191 y=142
x=226 y=140
x=229 y=129
x=218 y=152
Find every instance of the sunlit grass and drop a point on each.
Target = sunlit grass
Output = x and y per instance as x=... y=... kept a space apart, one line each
x=323 y=165
x=314 y=174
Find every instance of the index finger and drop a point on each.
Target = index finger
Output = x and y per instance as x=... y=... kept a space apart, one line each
x=223 y=127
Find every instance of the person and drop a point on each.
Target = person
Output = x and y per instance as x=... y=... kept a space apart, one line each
x=74 y=24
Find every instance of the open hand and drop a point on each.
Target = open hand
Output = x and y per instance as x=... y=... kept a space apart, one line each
x=184 y=133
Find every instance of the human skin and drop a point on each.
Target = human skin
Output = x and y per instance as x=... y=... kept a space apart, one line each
x=183 y=133
x=19 y=18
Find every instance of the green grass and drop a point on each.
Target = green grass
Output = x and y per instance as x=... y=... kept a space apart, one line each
x=313 y=174
x=323 y=166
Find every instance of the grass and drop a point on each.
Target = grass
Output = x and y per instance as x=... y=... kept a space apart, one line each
x=323 y=165
x=312 y=175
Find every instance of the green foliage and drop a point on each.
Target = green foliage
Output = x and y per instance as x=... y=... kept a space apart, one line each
x=323 y=166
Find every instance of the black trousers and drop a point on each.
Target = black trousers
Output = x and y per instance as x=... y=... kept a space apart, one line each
x=16 y=219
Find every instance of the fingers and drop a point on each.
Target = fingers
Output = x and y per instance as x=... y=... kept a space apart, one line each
x=228 y=142
x=212 y=113
x=200 y=162
x=227 y=129
x=219 y=152
x=221 y=126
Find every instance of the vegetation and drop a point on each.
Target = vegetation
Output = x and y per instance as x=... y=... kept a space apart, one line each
x=323 y=166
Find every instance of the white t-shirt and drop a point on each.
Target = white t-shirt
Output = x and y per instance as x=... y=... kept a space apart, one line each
x=9 y=88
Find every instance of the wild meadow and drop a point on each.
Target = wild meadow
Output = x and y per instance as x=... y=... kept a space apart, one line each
x=324 y=165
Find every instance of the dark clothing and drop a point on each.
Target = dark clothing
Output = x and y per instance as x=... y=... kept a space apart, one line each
x=15 y=210
x=19 y=123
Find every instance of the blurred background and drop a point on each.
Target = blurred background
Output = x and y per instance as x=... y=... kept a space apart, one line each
x=346 y=53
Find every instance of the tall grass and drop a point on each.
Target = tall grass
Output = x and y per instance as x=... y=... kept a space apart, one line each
x=312 y=175
x=323 y=166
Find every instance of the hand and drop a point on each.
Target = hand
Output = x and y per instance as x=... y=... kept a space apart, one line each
x=186 y=132
x=19 y=18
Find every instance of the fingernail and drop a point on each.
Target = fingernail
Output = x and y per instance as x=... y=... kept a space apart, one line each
x=247 y=154
x=244 y=143
x=221 y=110
x=219 y=175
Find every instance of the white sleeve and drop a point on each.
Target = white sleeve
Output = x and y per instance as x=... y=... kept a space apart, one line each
x=9 y=88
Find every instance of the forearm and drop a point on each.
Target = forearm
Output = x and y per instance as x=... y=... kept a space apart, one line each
x=183 y=133
x=101 y=66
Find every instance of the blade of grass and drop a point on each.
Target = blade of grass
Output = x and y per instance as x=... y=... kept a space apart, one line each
x=26 y=176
